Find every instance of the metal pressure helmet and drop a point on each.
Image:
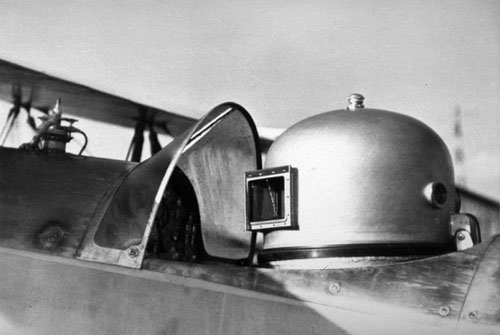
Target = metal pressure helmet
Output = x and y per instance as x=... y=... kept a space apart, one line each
x=367 y=181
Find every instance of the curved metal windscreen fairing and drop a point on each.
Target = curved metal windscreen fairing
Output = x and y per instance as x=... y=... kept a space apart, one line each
x=213 y=154
x=215 y=165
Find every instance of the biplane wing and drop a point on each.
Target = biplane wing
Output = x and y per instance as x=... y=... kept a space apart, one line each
x=27 y=88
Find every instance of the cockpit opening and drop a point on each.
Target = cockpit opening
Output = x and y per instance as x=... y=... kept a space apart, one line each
x=176 y=232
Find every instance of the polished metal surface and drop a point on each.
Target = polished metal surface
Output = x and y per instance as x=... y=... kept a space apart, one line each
x=361 y=180
x=213 y=155
x=457 y=293
x=215 y=163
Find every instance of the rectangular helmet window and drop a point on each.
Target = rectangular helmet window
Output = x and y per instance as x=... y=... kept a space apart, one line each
x=269 y=198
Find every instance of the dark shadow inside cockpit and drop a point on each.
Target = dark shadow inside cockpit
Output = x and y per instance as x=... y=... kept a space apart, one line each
x=176 y=232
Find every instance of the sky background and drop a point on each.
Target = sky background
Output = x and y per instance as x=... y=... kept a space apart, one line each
x=282 y=60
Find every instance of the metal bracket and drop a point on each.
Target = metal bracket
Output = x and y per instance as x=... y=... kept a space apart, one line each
x=465 y=231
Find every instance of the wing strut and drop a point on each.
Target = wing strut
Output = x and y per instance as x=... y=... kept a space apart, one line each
x=13 y=114
x=154 y=143
x=135 y=150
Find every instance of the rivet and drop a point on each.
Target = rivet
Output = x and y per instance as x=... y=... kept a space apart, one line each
x=473 y=316
x=52 y=238
x=461 y=236
x=133 y=252
x=444 y=311
x=334 y=288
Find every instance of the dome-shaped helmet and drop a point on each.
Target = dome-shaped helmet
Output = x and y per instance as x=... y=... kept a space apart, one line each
x=369 y=183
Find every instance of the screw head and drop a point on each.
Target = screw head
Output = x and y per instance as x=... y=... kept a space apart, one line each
x=133 y=252
x=444 y=311
x=334 y=288
x=473 y=316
